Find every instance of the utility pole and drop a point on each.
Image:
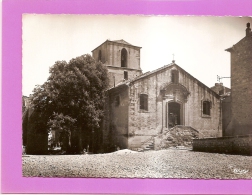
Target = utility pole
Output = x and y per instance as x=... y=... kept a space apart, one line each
x=219 y=80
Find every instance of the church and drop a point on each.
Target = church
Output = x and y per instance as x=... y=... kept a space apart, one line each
x=140 y=108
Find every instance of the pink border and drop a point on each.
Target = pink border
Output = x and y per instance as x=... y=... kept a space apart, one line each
x=12 y=180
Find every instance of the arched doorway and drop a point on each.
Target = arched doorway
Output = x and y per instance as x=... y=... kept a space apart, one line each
x=124 y=56
x=174 y=114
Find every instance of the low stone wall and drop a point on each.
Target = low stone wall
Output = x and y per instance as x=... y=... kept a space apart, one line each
x=229 y=145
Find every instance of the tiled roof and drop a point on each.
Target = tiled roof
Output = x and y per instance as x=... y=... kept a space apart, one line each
x=150 y=72
x=128 y=82
x=122 y=41
x=242 y=40
x=117 y=41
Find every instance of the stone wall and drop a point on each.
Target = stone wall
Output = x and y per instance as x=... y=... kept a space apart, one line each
x=229 y=145
x=115 y=124
x=104 y=53
x=226 y=115
x=116 y=75
x=145 y=122
x=210 y=126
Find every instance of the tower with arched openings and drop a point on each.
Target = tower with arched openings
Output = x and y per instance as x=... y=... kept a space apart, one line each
x=121 y=58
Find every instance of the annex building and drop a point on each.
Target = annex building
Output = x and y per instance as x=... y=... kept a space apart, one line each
x=240 y=122
x=142 y=107
x=236 y=107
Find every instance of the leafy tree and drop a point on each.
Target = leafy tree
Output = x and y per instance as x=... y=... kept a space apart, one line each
x=62 y=124
x=72 y=98
x=59 y=121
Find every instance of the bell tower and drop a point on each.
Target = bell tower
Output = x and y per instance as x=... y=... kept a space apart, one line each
x=121 y=58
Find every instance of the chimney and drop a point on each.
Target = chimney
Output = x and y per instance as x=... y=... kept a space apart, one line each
x=248 y=30
x=218 y=84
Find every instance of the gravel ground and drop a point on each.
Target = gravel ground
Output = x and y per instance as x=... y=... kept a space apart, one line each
x=171 y=163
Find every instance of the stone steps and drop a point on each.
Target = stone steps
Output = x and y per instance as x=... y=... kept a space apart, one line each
x=177 y=137
x=149 y=145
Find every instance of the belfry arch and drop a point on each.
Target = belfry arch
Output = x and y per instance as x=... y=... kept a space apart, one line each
x=124 y=57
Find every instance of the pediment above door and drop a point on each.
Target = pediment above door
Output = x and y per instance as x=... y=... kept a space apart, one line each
x=175 y=91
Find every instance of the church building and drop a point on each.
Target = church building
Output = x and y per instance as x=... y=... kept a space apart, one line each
x=141 y=107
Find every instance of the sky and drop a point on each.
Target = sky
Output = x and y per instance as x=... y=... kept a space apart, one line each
x=198 y=43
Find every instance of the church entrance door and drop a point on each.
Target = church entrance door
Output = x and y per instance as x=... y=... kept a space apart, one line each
x=174 y=117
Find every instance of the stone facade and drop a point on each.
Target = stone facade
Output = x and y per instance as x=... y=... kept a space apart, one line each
x=141 y=107
x=187 y=93
x=226 y=113
x=115 y=123
x=241 y=79
x=183 y=98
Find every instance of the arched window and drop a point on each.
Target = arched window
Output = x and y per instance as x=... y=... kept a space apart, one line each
x=124 y=56
x=206 y=108
x=174 y=76
x=99 y=56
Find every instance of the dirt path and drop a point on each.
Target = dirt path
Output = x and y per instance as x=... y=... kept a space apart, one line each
x=153 y=164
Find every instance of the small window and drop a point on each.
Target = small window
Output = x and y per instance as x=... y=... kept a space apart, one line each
x=174 y=76
x=143 y=102
x=206 y=108
x=221 y=92
x=117 y=101
x=125 y=75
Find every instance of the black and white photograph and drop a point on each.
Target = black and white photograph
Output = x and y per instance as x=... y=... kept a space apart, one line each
x=136 y=96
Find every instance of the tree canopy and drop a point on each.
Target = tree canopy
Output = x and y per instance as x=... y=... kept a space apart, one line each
x=72 y=98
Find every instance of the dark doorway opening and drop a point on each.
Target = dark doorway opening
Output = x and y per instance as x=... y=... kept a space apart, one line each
x=174 y=114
